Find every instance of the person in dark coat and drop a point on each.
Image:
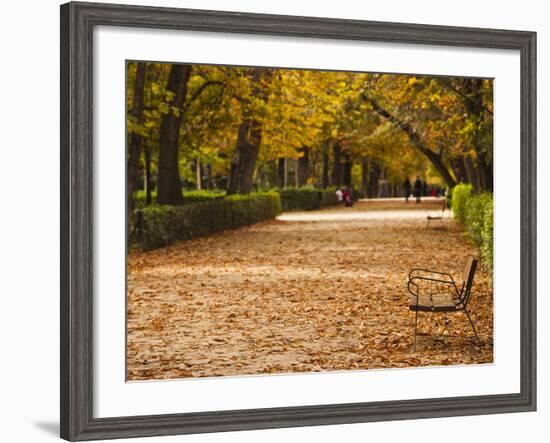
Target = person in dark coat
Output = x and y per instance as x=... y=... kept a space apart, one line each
x=348 y=200
x=417 y=188
x=407 y=186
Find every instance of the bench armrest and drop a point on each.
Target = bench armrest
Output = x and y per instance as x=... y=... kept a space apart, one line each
x=419 y=278
x=421 y=273
x=438 y=280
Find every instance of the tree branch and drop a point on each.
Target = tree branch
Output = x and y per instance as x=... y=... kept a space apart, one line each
x=413 y=137
x=446 y=84
x=205 y=85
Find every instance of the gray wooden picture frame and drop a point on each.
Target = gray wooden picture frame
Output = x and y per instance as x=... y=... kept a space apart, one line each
x=77 y=23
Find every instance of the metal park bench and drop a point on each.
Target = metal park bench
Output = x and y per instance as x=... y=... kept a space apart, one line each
x=437 y=216
x=427 y=294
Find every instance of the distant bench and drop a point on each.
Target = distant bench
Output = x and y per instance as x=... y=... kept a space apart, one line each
x=437 y=216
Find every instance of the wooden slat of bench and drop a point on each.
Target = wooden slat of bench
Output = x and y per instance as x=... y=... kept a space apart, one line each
x=435 y=302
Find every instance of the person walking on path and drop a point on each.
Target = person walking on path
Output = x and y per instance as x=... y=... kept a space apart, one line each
x=339 y=195
x=407 y=185
x=348 y=200
x=417 y=189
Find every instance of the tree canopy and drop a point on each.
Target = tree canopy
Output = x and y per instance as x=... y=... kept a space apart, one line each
x=245 y=128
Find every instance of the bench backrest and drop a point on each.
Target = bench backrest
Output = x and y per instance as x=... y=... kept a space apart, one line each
x=468 y=279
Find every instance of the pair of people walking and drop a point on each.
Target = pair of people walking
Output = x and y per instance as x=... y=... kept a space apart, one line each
x=344 y=195
x=417 y=189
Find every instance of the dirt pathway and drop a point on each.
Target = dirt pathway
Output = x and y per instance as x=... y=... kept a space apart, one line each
x=314 y=291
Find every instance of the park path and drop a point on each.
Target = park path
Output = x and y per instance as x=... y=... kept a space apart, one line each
x=310 y=291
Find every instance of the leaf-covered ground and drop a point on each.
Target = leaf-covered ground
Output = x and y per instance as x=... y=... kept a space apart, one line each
x=313 y=291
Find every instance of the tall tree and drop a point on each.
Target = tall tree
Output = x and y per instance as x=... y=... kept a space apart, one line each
x=147 y=177
x=303 y=166
x=336 y=163
x=281 y=172
x=249 y=136
x=346 y=172
x=135 y=136
x=244 y=159
x=475 y=127
x=364 y=175
x=375 y=171
x=325 y=171
x=478 y=114
x=169 y=180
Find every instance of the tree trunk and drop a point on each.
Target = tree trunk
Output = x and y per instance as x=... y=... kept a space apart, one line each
x=148 y=184
x=248 y=144
x=303 y=166
x=473 y=101
x=260 y=173
x=207 y=176
x=364 y=176
x=169 y=180
x=281 y=173
x=245 y=156
x=374 y=176
x=436 y=159
x=347 y=172
x=233 y=179
x=250 y=151
x=471 y=172
x=325 y=178
x=198 y=173
x=336 y=165
x=457 y=164
x=135 y=139
x=484 y=162
x=486 y=170
x=479 y=174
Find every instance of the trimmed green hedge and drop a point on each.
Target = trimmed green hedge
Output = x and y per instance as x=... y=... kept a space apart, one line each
x=327 y=197
x=475 y=212
x=307 y=198
x=299 y=199
x=164 y=225
x=487 y=237
x=202 y=196
x=460 y=196
x=292 y=199
x=188 y=196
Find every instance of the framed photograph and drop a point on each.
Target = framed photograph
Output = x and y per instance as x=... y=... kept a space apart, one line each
x=274 y=221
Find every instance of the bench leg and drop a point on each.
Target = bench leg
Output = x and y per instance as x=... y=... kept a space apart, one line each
x=415 y=327
x=472 y=323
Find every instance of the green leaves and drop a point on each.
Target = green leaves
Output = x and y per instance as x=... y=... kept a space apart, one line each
x=461 y=195
x=475 y=212
x=163 y=108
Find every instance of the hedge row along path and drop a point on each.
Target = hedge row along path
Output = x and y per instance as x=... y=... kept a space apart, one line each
x=313 y=291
